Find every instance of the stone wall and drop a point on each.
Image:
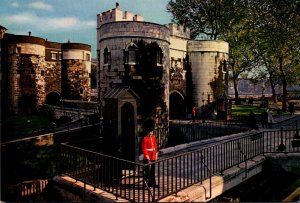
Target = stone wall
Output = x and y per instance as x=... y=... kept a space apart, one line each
x=27 y=87
x=194 y=70
x=116 y=38
x=32 y=69
x=178 y=51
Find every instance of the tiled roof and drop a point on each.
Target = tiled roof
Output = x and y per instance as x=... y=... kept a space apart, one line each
x=117 y=92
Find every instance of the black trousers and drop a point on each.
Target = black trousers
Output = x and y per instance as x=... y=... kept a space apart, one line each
x=150 y=173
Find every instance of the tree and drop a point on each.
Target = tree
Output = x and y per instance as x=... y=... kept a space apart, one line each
x=204 y=18
x=278 y=26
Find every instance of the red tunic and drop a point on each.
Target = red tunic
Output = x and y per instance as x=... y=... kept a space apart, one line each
x=194 y=111
x=149 y=148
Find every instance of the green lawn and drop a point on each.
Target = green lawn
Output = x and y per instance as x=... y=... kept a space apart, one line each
x=24 y=124
x=241 y=110
x=244 y=110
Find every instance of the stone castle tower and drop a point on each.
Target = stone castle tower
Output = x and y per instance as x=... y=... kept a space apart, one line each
x=36 y=71
x=168 y=71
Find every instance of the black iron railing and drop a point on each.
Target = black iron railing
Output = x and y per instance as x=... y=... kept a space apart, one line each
x=126 y=179
x=183 y=133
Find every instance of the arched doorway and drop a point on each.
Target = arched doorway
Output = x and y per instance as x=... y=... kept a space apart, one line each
x=28 y=103
x=177 y=106
x=128 y=132
x=53 y=98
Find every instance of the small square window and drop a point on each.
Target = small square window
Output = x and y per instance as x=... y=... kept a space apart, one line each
x=53 y=56
x=87 y=57
x=18 y=50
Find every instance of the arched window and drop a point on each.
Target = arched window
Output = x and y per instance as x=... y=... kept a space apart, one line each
x=130 y=55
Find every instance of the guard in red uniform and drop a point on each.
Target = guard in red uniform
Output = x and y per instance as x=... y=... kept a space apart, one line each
x=194 y=113
x=149 y=148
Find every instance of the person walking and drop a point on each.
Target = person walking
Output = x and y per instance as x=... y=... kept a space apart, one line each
x=149 y=148
x=203 y=113
x=264 y=119
x=270 y=118
x=252 y=121
x=292 y=108
x=194 y=113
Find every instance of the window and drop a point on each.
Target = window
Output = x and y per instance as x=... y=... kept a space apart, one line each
x=18 y=51
x=42 y=73
x=87 y=57
x=53 y=56
x=121 y=74
x=130 y=55
x=106 y=56
x=159 y=56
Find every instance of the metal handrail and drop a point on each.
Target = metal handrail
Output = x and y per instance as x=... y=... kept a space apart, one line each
x=174 y=173
x=210 y=175
x=245 y=157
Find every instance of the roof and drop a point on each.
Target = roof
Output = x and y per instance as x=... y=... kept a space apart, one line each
x=119 y=91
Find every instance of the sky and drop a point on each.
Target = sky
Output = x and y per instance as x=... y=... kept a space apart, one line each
x=71 y=20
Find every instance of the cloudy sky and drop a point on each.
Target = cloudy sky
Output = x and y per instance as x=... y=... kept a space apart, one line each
x=74 y=20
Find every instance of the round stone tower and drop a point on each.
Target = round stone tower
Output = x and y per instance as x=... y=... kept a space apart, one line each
x=23 y=68
x=208 y=70
x=76 y=69
x=135 y=53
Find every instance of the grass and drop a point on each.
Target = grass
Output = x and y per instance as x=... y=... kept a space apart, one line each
x=244 y=110
x=24 y=124
x=241 y=110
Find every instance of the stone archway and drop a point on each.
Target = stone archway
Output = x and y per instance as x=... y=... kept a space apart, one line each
x=177 y=106
x=28 y=103
x=53 y=98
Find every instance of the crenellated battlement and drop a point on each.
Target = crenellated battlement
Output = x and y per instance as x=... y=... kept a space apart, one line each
x=179 y=30
x=117 y=14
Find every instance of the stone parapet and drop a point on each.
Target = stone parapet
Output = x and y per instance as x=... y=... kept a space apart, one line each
x=79 y=46
x=24 y=39
x=134 y=30
x=208 y=46
x=116 y=14
x=179 y=31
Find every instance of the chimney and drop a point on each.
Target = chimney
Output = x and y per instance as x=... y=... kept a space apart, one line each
x=29 y=33
x=117 y=5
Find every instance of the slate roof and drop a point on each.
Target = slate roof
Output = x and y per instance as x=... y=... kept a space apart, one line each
x=119 y=91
